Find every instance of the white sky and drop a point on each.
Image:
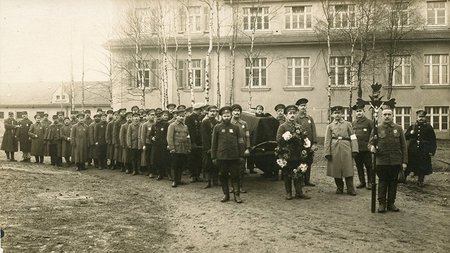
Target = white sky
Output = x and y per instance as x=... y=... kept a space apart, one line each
x=35 y=38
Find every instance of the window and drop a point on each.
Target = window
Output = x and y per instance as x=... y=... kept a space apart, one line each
x=2 y=115
x=436 y=69
x=147 y=74
x=298 y=71
x=197 y=16
x=147 y=18
x=436 y=13
x=402 y=116
x=343 y=16
x=437 y=117
x=400 y=14
x=298 y=17
x=58 y=97
x=340 y=70
x=63 y=97
x=198 y=70
x=259 y=72
x=256 y=17
x=402 y=70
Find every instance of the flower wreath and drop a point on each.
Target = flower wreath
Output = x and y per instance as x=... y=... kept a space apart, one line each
x=289 y=139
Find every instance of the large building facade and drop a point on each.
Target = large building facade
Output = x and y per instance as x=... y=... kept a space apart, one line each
x=285 y=41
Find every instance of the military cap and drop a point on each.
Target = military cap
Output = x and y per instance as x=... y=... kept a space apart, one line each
x=45 y=114
x=151 y=111
x=171 y=105
x=301 y=101
x=211 y=107
x=128 y=113
x=165 y=112
x=181 y=107
x=337 y=108
x=135 y=106
x=59 y=113
x=141 y=110
x=158 y=110
x=180 y=111
x=136 y=114
x=122 y=110
x=197 y=106
x=73 y=112
x=35 y=116
x=290 y=108
x=25 y=112
x=87 y=111
x=279 y=106
x=97 y=115
x=66 y=118
x=189 y=109
x=234 y=107
x=11 y=113
x=99 y=110
x=55 y=117
x=225 y=109
x=80 y=115
x=110 y=111
x=260 y=106
x=421 y=113
x=357 y=107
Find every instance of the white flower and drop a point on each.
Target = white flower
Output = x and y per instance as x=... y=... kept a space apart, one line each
x=295 y=170
x=307 y=143
x=287 y=136
x=303 y=167
x=281 y=162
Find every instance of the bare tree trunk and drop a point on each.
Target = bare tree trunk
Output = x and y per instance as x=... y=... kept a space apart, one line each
x=218 y=50
x=233 y=49
x=208 y=54
x=190 y=71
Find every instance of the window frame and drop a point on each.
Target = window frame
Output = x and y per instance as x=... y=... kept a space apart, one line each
x=290 y=15
x=343 y=18
x=292 y=70
x=435 y=13
x=347 y=71
x=440 y=114
x=248 y=14
x=403 y=115
x=260 y=69
x=428 y=69
x=402 y=67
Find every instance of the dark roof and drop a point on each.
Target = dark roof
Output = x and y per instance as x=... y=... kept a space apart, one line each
x=41 y=93
x=271 y=39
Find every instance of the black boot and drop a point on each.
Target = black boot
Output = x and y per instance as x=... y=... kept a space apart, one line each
x=12 y=157
x=350 y=187
x=225 y=189
x=208 y=185
x=288 y=187
x=420 y=180
x=382 y=190
x=298 y=189
x=36 y=158
x=7 y=155
x=339 y=185
x=392 y=194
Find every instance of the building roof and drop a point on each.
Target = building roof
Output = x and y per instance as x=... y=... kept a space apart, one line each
x=272 y=39
x=41 y=93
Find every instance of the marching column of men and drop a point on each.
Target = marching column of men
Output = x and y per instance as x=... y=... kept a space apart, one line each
x=165 y=142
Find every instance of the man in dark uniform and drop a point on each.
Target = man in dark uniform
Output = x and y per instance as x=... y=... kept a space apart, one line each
x=66 y=148
x=294 y=153
x=22 y=136
x=206 y=129
x=134 y=109
x=92 y=146
x=9 y=142
x=193 y=122
x=279 y=109
x=146 y=143
x=391 y=157
x=171 y=108
x=160 y=157
x=307 y=122
x=88 y=120
x=227 y=154
x=37 y=134
x=132 y=138
x=80 y=140
x=109 y=139
x=116 y=139
x=53 y=138
x=123 y=142
x=45 y=122
x=422 y=146
x=100 y=141
x=362 y=126
x=236 y=110
x=60 y=117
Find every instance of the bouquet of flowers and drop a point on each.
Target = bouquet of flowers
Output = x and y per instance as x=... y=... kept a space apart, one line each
x=296 y=141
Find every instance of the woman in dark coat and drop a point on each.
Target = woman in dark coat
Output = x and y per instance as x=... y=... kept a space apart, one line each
x=421 y=141
x=37 y=133
x=23 y=137
x=9 y=143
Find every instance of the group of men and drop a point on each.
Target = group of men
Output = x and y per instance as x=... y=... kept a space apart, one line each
x=167 y=143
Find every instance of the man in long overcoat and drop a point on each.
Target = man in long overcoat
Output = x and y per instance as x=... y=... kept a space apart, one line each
x=160 y=157
x=118 y=150
x=9 y=143
x=206 y=129
x=339 y=147
x=100 y=141
x=37 y=134
x=109 y=140
x=53 y=138
x=193 y=122
x=79 y=139
x=23 y=137
x=123 y=143
x=421 y=141
x=146 y=143
x=132 y=143
x=66 y=147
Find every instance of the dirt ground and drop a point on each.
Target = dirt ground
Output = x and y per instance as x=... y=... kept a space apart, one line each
x=45 y=209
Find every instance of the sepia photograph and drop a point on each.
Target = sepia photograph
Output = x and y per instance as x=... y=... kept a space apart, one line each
x=224 y=126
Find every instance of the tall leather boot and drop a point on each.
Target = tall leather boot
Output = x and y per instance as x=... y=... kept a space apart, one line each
x=7 y=155
x=12 y=157
x=419 y=182
x=339 y=185
x=298 y=189
x=382 y=190
x=237 y=192
x=225 y=189
x=391 y=196
x=288 y=186
x=350 y=187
